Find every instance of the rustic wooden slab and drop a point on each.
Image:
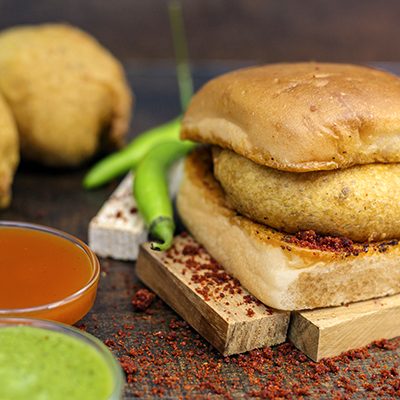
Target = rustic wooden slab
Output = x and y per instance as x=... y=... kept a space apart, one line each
x=329 y=332
x=118 y=230
x=211 y=301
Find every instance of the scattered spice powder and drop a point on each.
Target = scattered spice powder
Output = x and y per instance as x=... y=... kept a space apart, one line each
x=208 y=277
x=162 y=356
x=336 y=244
x=171 y=358
x=250 y=312
x=316 y=241
x=142 y=299
x=128 y=365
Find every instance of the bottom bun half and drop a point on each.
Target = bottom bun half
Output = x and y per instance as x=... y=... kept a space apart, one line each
x=281 y=274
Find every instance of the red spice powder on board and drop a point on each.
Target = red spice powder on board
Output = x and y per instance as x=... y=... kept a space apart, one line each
x=162 y=356
x=250 y=312
x=208 y=277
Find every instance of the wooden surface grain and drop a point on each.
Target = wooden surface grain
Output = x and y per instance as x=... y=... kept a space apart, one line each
x=228 y=322
x=327 y=332
x=171 y=360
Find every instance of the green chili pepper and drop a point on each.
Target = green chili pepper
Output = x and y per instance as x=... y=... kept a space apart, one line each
x=150 y=184
x=151 y=190
x=122 y=161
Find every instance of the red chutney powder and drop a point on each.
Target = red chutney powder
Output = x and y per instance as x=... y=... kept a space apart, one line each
x=208 y=277
x=142 y=299
x=162 y=356
x=316 y=241
x=337 y=244
x=170 y=358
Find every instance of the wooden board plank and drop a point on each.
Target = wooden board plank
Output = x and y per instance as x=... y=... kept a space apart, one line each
x=331 y=331
x=118 y=230
x=211 y=301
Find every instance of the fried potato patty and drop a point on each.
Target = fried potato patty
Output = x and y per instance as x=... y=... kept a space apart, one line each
x=361 y=203
x=9 y=152
x=68 y=94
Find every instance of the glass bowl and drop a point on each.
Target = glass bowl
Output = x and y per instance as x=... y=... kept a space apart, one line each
x=75 y=306
x=113 y=366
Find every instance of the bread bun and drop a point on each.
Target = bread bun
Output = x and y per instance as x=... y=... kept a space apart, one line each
x=279 y=272
x=300 y=117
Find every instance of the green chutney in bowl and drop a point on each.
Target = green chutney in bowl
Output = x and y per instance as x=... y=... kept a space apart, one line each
x=46 y=360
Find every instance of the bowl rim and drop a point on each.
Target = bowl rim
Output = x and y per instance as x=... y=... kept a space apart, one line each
x=94 y=262
x=97 y=344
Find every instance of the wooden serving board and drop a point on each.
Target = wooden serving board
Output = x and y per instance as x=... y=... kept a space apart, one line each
x=118 y=229
x=211 y=301
x=327 y=332
x=224 y=313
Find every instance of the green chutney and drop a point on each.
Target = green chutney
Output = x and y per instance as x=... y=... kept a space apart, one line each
x=37 y=363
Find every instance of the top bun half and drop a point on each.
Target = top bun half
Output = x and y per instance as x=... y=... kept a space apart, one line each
x=300 y=117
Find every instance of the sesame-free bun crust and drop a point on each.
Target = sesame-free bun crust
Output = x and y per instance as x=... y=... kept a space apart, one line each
x=300 y=117
x=281 y=274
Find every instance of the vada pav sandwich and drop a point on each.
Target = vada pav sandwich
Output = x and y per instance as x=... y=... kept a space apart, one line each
x=298 y=195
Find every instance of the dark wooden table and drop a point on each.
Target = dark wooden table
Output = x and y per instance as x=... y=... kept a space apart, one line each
x=164 y=357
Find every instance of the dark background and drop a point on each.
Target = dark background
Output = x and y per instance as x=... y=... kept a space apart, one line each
x=257 y=30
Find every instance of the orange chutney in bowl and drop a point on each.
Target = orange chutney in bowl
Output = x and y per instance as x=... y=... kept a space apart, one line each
x=45 y=273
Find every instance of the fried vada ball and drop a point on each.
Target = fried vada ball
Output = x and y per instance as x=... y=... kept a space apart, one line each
x=360 y=202
x=9 y=152
x=68 y=94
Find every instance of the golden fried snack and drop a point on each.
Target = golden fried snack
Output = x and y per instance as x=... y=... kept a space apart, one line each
x=9 y=152
x=358 y=202
x=68 y=94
